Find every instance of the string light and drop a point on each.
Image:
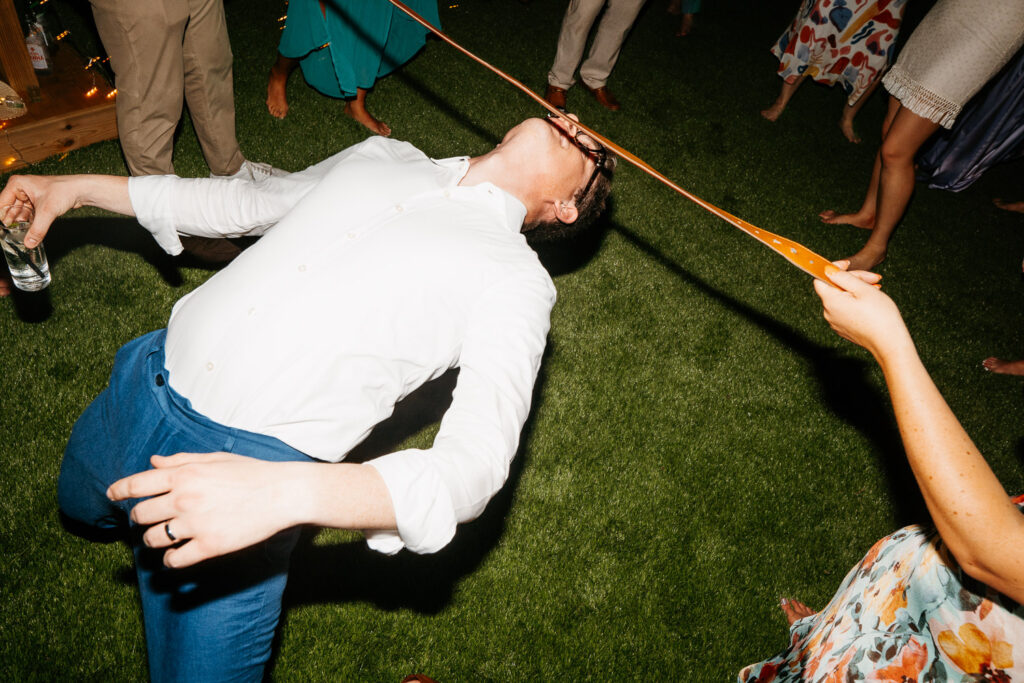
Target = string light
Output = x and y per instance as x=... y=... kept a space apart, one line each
x=112 y=94
x=9 y=161
x=91 y=91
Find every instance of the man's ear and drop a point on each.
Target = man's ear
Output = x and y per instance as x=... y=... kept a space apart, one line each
x=566 y=212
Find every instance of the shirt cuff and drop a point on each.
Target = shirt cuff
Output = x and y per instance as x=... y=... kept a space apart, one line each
x=423 y=508
x=152 y=202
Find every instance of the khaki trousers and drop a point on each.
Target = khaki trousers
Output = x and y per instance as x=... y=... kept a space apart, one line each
x=618 y=18
x=163 y=52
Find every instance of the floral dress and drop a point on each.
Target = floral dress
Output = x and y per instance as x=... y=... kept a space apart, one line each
x=907 y=613
x=844 y=41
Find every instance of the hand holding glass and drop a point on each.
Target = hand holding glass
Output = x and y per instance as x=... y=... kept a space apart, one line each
x=29 y=269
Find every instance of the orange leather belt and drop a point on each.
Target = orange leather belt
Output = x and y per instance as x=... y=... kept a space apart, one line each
x=794 y=252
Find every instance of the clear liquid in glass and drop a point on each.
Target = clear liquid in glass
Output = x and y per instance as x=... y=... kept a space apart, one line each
x=29 y=269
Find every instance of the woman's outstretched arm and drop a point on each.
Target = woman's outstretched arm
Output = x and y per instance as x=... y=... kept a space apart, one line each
x=970 y=508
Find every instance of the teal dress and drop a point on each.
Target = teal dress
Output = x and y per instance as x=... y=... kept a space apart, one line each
x=356 y=43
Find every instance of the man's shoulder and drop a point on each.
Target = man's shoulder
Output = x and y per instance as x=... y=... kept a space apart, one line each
x=379 y=145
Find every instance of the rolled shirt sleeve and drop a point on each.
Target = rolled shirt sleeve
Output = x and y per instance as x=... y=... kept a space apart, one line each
x=433 y=490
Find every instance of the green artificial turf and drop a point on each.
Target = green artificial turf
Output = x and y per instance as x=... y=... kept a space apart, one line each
x=700 y=444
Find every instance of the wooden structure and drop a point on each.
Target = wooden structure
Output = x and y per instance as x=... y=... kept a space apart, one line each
x=70 y=108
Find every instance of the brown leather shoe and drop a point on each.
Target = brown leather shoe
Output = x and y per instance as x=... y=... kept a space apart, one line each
x=604 y=97
x=555 y=96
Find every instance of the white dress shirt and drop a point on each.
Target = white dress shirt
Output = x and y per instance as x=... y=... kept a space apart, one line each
x=376 y=272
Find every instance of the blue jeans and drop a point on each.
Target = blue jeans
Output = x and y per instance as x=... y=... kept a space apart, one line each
x=211 y=622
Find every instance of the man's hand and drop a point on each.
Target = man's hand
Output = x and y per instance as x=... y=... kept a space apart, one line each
x=860 y=312
x=214 y=503
x=45 y=197
x=48 y=197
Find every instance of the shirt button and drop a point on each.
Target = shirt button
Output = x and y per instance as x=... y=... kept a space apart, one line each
x=399 y=208
x=351 y=235
x=159 y=380
x=302 y=268
x=209 y=367
x=252 y=311
x=447 y=194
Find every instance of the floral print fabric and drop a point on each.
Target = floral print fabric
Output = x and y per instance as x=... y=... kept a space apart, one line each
x=844 y=41
x=908 y=613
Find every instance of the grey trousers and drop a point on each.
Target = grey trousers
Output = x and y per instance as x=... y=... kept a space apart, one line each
x=618 y=18
x=164 y=52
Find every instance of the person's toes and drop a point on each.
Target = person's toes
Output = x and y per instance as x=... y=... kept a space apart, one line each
x=276 y=111
x=794 y=610
x=277 y=96
x=827 y=215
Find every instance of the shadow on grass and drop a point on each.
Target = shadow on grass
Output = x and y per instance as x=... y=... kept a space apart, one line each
x=31 y=307
x=440 y=104
x=351 y=572
x=68 y=234
x=121 y=234
x=845 y=388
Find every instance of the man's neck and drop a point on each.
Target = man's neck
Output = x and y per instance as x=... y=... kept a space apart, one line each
x=494 y=168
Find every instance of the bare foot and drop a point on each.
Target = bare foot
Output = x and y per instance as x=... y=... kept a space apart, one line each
x=1009 y=206
x=847 y=127
x=357 y=111
x=1003 y=367
x=772 y=113
x=685 y=27
x=5 y=286
x=277 y=100
x=794 y=610
x=857 y=220
x=867 y=258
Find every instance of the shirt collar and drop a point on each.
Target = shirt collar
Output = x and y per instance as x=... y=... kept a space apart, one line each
x=513 y=210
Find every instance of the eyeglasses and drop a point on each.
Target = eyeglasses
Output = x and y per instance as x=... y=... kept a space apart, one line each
x=590 y=147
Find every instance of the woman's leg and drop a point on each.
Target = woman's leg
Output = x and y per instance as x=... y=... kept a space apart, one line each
x=850 y=110
x=277 y=84
x=356 y=108
x=895 y=183
x=687 y=9
x=773 y=112
x=865 y=215
x=685 y=26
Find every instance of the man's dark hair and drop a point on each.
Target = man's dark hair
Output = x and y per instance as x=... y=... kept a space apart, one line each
x=588 y=208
